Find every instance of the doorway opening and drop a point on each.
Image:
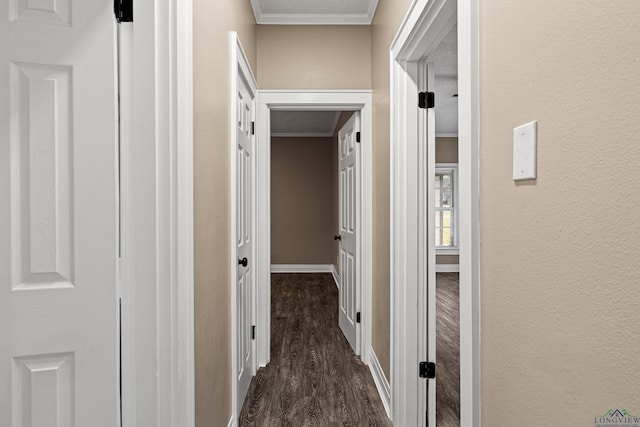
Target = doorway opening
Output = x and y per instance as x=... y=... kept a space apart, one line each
x=304 y=190
x=413 y=205
x=315 y=269
x=315 y=203
x=272 y=104
x=439 y=305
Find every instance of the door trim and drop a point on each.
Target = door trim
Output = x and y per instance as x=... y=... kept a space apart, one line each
x=183 y=343
x=156 y=71
x=240 y=68
x=419 y=33
x=360 y=100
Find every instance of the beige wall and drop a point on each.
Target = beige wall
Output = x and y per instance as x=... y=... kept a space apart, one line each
x=560 y=256
x=302 y=200
x=446 y=150
x=212 y=200
x=386 y=22
x=447 y=259
x=314 y=57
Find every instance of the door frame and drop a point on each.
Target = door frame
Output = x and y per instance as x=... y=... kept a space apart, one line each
x=355 y=100
x=240 y=68
x=157 y=263
x=419 y=33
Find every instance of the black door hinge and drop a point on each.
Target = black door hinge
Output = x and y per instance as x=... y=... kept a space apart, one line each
x=123 y=10
x=357 y=136
x=253 y=128
x=426 y=99
x=427 y=370
x=253 y=332
x=358 y=317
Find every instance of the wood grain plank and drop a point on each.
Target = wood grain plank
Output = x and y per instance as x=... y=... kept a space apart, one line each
x=314 y=378
x=447 y=350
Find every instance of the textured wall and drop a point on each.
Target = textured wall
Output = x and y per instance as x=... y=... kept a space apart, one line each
x=560 y=256
x=212 y=200
x=314 y=57
x=446 y=150
x=386 y=22
x=447 y=259
x=302 y=200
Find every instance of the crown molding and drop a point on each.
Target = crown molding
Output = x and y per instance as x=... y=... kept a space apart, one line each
x=313 y=19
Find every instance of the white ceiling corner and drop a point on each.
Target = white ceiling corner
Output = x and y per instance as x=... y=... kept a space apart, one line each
x=308 y=124
x=314 y=12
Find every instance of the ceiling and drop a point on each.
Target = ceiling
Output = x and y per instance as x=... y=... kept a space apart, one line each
x=304 y=123
x=314 y=12
x=445 y=57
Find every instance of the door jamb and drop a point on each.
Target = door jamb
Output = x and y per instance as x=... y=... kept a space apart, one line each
x=416 y=37
x=183 y=343
x=240 y=68
x=157 y=266
x=309 y=100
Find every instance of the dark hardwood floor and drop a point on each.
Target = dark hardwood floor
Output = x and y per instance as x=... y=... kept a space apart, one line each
x=447 y=350
x=314 y=378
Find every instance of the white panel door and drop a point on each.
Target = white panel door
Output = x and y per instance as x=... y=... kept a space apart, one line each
x=244 y=235
x=58 y=214
x=349 y=215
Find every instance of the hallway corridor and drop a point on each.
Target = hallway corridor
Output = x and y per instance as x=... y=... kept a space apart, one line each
x=314 y=378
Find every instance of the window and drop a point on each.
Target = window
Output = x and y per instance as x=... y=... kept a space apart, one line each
x=446 y=193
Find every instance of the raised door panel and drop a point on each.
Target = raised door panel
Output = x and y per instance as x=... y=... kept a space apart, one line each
x=49 y=12
x=42 y=168
x=44 y=390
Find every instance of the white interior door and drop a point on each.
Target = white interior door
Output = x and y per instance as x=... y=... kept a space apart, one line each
x=59 y=346
x=349 y=206
x=245 y=241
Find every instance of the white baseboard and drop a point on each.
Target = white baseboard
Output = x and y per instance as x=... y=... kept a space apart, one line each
x=231 y=423
x=384 y=389
x=301 y=268
x=334 y=273
x=447 y=268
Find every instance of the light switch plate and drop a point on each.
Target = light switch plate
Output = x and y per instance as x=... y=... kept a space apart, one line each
x=525 y=141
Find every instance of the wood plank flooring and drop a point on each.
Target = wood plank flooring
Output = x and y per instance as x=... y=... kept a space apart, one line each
x=314 y=378
x=447 y=350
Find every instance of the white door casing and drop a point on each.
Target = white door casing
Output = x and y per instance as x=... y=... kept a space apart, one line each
x=349 y=223
x=156 y=205
x=58 y=214
x=244 y=93
x=345 y=100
